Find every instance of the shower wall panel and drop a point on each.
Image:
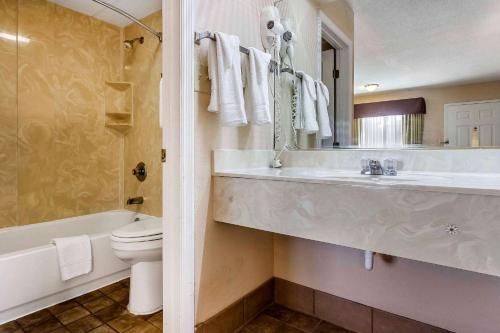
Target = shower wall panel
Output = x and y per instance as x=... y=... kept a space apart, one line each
x=142 y=67
x=57 y=158
x=8 y=113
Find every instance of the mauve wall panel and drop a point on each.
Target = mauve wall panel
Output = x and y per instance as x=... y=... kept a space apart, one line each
x=390 y=108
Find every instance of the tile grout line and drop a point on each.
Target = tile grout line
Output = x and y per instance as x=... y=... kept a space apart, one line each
x=314 y=302
x=60 y=322
x=36 y=324
x=317 y=325
x=298 y=329
x=371 y=317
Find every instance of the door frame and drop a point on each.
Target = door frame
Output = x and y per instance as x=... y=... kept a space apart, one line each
x=344 y=46
x=178 y=171
x=332 y=107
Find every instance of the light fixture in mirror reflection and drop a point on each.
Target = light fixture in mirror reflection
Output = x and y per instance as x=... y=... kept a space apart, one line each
x=410 y=50
x=12 y=37
x=371 y=87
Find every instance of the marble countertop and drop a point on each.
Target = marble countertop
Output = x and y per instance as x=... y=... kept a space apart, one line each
x=464 y=183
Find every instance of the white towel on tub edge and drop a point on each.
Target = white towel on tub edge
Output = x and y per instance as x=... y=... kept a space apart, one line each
x=74 y=255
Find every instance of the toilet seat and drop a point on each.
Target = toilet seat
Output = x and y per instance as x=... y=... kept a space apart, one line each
x=146 y=230
x=133 y=247
x=136 y=239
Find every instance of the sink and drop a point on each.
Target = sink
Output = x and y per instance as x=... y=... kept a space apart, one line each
x=400 y=178
x=355 y=176
x=380 y=178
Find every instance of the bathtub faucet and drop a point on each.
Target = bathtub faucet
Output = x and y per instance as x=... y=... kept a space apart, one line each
x=135 y=201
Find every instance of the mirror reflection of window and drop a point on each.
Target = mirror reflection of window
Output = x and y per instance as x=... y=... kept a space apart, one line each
x=389 y=124
x=388 y=131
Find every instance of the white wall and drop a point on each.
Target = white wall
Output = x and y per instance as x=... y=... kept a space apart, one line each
x=230 y=261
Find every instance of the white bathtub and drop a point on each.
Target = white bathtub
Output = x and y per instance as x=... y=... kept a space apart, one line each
x=29 y=272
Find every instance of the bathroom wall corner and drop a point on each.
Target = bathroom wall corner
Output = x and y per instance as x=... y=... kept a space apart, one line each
x=121 y=175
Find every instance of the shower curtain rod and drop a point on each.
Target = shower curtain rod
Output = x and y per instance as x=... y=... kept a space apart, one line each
x=130 y=17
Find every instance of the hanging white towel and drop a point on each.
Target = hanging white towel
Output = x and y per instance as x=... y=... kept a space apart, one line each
x=255 y=74
x=74 y=255
x=308 y=96
x=213 y=76
x=322 y=102
x=224 y=63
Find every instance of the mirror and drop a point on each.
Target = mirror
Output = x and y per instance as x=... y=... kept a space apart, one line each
x=388 y=74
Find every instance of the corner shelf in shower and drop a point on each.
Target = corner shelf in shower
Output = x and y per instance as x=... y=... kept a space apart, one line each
x=119 y=105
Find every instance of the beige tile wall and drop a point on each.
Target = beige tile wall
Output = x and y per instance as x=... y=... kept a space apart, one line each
x=142 y=67
x=68 y=161
x=8 y=115
x=57 y=159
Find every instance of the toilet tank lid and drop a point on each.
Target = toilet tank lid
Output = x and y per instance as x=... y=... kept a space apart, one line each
x=146 y=227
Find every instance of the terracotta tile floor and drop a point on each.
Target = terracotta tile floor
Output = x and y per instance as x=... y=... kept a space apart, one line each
x=278 y=319
x=100 y=311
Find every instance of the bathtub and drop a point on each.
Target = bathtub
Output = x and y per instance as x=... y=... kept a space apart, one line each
x=29 y=272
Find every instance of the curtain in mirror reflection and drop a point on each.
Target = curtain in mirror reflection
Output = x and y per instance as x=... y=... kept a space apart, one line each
x=388 y=131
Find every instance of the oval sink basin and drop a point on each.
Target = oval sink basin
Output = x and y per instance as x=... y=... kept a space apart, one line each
x=351 y=176
x=380 y=178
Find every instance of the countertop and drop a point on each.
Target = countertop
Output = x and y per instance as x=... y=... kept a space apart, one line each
x=463 y=183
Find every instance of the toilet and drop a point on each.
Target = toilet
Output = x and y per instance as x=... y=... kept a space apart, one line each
x=140 y=244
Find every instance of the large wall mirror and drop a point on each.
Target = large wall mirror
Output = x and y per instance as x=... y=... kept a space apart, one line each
x=389 y=74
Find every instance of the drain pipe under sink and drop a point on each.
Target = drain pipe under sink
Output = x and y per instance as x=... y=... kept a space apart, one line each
x=369 y=260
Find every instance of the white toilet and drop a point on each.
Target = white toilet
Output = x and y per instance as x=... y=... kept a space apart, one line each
x=140 y=244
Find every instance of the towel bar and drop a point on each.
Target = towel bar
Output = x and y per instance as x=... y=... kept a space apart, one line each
x=198 y=36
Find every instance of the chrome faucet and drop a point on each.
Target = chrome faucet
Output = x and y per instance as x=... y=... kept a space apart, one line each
x=135 y=201
x=371 y=167
x=374 y=168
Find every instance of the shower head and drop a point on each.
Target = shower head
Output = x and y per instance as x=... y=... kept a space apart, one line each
x=129 y=43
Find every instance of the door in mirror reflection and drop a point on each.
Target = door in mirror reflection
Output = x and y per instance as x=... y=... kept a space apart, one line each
x=472 y=124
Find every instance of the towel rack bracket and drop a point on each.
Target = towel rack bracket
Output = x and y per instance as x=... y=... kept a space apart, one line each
x=198 y=36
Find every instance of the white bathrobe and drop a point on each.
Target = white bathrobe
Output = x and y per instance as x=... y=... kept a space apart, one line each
x=322 y=102
x=308 y=101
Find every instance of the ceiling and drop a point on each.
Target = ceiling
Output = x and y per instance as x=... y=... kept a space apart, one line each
x=408 y=43
x=137 y=8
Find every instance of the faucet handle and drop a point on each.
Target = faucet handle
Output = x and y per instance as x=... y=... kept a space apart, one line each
x=140 y=171
x=390 y=167
x=365 y=165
